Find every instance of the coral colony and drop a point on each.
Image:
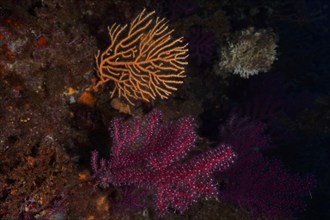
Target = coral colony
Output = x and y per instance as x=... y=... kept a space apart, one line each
x=250 y=52
x=53 y=110
x=262 y=186
x=153 y=154
x=146 y=63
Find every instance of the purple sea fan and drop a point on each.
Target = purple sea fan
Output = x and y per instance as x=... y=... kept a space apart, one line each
x=264 y=187
x=245 y=135
x=149 y=153
x=202 y=45
x=131 y=200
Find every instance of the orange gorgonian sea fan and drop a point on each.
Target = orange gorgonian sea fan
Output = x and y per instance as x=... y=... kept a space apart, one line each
x=143 y=60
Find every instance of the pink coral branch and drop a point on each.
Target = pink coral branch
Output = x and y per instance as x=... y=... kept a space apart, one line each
x=147 y=153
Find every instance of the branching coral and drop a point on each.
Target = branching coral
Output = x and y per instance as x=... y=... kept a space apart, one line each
x=143 y=59
x=152 y=154
x=262 y=186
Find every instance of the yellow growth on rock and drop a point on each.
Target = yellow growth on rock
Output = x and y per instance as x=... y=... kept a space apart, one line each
x=143 y=60
x=120 y=106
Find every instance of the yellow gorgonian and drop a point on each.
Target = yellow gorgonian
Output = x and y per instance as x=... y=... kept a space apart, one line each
x=143 y=60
